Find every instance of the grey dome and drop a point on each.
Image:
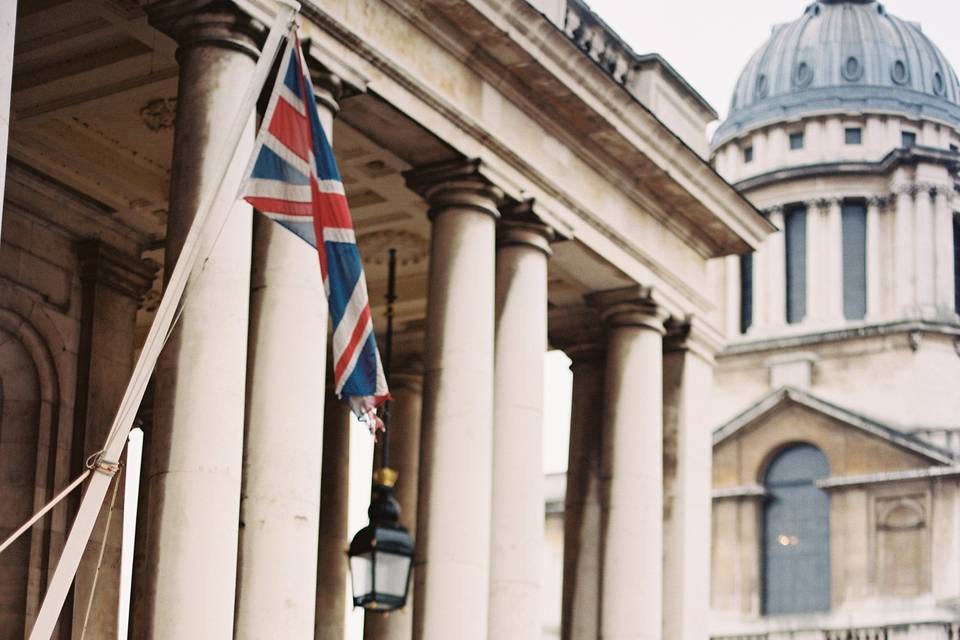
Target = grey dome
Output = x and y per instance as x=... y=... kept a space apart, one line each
x=843 y=55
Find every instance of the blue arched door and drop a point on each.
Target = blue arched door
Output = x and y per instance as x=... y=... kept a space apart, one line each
x=796 y=533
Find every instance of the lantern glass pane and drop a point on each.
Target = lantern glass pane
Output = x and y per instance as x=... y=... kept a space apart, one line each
x=392 y=572
x=361 y=573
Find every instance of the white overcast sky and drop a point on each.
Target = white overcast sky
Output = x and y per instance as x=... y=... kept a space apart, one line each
x=709 y=41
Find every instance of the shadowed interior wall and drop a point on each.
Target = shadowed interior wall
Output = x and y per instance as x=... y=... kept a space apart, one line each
x=19 y=418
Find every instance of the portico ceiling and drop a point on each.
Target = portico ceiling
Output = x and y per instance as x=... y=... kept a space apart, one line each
x=93 y=106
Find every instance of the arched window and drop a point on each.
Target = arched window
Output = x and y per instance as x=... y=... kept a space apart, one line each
x=796 y=533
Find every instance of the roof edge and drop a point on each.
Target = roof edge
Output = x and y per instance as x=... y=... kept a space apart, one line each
x=766 y=405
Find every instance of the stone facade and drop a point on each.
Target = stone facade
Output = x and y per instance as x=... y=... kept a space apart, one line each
x=539 y=184
x=858 y=356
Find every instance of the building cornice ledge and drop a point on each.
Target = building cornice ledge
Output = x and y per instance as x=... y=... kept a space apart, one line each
x=701 y=207
x=840 y=482
x=836 y=335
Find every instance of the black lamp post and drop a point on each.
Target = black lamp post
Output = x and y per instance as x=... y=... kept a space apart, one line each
x=381 y=554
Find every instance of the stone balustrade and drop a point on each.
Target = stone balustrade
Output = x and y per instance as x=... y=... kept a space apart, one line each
x=927 y=631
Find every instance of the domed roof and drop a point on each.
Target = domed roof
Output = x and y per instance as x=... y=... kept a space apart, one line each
x=843 y=55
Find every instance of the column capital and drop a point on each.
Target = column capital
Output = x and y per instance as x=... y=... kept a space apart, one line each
x=768 y=211
x=459 y=184
x=207 y=22
x=327 y=87
x=511 y=232
x=630 y=307
x=694 y=335
x=125 y=274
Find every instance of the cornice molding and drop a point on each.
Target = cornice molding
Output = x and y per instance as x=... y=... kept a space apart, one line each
x=460 y=184
x=637 y=125
x=206 y=22
x=911 y=156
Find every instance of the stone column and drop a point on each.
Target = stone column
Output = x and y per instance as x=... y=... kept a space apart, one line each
x=197 y=444
x=632 y=577
x=924 y=250
x=816 y=262
x=582 y=515
x=8 y=23
x=333 y=535
x=517 y=516
x=451 y=571
x=761 y=299
x=731 y=295
x=944 y=258
x=945 y=527
x=405 y=414
x=831 y=286
x=776 y=272
x=903 y=253
x=874 y=265
x=280 y=501
x=112 y=285
x=687 y=480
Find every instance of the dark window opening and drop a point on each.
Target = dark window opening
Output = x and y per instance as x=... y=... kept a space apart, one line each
x=795 y=240
x=748 y=154
x=853 y=135
x=908 y=139
x=796 y=533
x=954 y=148
x=796 y=140
x=746 y=292
x=854 y=229
x=956 y=262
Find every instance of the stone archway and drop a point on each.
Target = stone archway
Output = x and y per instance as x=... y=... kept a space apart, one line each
x=29 y=407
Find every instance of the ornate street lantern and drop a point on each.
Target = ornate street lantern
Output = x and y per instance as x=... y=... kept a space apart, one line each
x=381 y=554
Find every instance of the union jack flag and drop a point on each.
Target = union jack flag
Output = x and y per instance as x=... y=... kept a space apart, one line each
x=293 y=179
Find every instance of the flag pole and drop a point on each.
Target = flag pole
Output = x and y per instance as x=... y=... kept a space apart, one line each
x=213 y=209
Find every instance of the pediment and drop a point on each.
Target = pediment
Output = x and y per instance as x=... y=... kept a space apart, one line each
x=853 y=443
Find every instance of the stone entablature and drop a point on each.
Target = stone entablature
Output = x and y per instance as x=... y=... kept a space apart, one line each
x=648 y=77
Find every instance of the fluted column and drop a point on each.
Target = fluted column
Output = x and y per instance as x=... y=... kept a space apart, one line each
x=197 y=444
x=874 y=265
x=406 y=387
x=764 y=314
x=632 y=575
x=687 y=461
x=924 y=250
x=582 y=514
x=831 y=287
x=280 y=501
x=451 y=570
x=333 y=535
x=903 y=253
x=943 y=251
x=517 y=521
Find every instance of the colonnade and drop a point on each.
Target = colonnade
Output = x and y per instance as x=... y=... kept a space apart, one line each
x=908 y=254
x=468 y=414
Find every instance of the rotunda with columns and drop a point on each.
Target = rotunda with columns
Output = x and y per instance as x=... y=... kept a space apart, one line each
x=836 y=507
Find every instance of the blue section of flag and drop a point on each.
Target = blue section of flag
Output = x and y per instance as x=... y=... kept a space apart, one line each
x=311 y=204
x=270 y=166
